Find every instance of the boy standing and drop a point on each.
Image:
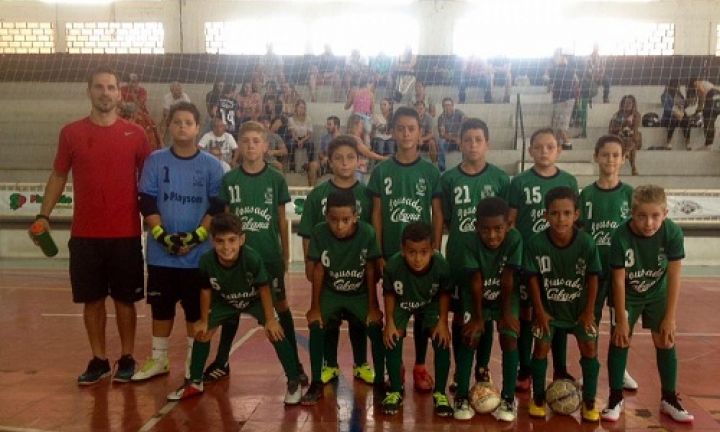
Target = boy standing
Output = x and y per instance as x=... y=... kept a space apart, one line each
x=526 y=199
x=344 y=251
x=563 y=265
x=179 y=190
x=404 y=188
x=645 y=257
x=235 y=282
x=416 y=283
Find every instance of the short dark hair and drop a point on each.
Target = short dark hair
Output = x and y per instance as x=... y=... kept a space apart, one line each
x=184 y=106
x=561 y=192
x=491 y=207
x=405 y=112
x=447 y=99
x=224 y=223
x=474 y=123
x=335 y=120
x=607 y=139
x=104 y=69
x=417 y=232
x=541 y=131
x=340 y=141
x=341 y=198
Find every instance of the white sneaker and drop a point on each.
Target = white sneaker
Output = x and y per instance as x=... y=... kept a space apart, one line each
x=506 y=412
x=629 y=382
x=294 y=393
x=463 y=410
x=612 y=414
x=152 y=367
x=188 y=390
x=676 y=411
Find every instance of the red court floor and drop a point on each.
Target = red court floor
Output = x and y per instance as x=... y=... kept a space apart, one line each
x=43 y=348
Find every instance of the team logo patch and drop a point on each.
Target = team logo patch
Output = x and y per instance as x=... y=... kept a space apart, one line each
x=625 y=210
x=487 y=192
x=421 y=187
x=434 y=288
x=268 y=196
x=580 y=266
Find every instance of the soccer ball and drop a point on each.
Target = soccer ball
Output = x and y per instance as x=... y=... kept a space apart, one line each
x=484 y=398
x=563 y=396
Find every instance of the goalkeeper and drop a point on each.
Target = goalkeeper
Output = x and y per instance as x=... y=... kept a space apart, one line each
x=178 y=190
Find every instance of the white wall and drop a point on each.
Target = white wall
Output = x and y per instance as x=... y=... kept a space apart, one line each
x=695 y=20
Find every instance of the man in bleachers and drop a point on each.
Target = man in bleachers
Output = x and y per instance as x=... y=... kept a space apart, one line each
x=272 y=66
x=596 y=68
x=421 y=96
x=332 y=126
x=564 y=86
x=175 y=95
x=356 y=66
x=449 y=123
x=133 y=92
x=324 y=70
x=475 y=71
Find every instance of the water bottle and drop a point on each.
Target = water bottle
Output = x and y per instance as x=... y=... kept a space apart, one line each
x=43 y=238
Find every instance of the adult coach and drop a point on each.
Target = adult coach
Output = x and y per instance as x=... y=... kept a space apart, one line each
x=105 y=154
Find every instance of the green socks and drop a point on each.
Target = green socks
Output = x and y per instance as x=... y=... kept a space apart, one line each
x=617 y=360
x=442 y=367
x=510 y=361
x=559 y=351
x=667 y=367
x=463 y=367
x=394 y=366
x=539 y=369
x=590 y=371
x=525 y=341
x=420 y=336
x=316 y=345
x=200 y=353
x=374 y=331
x=227 y=335
x=288 y=326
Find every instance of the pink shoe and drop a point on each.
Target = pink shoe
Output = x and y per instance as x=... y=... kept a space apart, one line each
x=422 y=379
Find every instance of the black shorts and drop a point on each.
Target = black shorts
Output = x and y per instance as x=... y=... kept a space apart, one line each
x=166 y=286
x=100 y=267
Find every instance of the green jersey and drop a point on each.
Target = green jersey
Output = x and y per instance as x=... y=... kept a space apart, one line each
x=461 y=194
x=406 y=192
x=237 y=285
x=491 y=263
x=527 y=196
x=415 y=290
x=645 y=259
x=562 y=272
x=255 y=198
x=344 y=259
x=601 y=212
x=314 y=207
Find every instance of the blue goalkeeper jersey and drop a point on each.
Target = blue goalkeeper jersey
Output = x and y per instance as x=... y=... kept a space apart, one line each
x=183 y=188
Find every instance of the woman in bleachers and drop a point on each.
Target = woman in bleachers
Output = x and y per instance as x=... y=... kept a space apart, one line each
x=708 y=103
x=249 y=101
x=356 y=128
x=361 y=99
x=625 y=123
x=674 y=114
x=300 y=127
x=382 y=141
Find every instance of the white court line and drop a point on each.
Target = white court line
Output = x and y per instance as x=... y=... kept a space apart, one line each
x=19 y=429
x=165 y=410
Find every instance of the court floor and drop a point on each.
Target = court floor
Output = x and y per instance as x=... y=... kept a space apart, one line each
x=43 y=348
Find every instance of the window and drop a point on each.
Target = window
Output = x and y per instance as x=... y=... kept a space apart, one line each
x=252 y=36
x=115 y=37
x=27 y=38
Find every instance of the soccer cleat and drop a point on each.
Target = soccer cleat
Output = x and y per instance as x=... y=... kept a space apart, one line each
x=392 y=402
x=482 y=375
x=124 y=369
x=313 y=394
x=441 y=404
x=506 y=411
x=302 y=376
x=329 y=373
x=670 y=405
x=187 y=390
x=96 y=370
x=365 y=373
x=152 y=367
x=462 y=409
x=294 y=393
x=536 y=410
x=629 y=382
x=422 y=380
x=590 y=413
x=523 y=383
x=216 y=372
x=614 y=408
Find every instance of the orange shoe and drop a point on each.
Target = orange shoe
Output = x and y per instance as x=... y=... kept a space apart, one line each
x=422 y=379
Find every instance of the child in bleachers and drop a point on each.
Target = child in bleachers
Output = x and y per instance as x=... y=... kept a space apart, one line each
x=625 y=123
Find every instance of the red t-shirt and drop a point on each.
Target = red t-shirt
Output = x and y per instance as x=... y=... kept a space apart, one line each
x=106 y=162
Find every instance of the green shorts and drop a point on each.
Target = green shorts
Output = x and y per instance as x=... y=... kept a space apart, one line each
x=276 y=272
x=652 y=312
x=604 y=286
x=522 y=287
x=459 y=284
x=491 y=313
x=335 y=306
x=430 y=315
x=220 y=312
x=573 y=328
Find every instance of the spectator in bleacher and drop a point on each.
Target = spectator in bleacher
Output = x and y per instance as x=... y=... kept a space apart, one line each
x=674 y=114
x=421 y=96
x=428 y=145
x=476 y=72
x=332 y=126
x=277 y=149
x=404 y=74
x=215 y=151
x=249 y=102
x=257 y=79
x=381 y=69
x=300 y=128
x=274 y=107
x=356 y=128
x=272 y=66
x=626 y=123
x=175 y=95
x=211 y=100
x=133 y=92
x=708 y=104
x=219 y=138
x=362 y=99
x=131 y=113
x=228 y=109
x=381 y=132
x=564 y=86
x=449 y=123
x=288 y=96
x=596 y=66
x=356 y=67
x=324 y=71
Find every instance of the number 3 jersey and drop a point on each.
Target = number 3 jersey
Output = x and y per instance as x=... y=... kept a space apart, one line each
x=562 y=272
x=415 y=289
x=344 y=259
x=645 y=259
x=527 y=196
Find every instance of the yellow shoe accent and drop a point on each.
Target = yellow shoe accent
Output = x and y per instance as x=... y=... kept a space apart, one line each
x=535 y=410
x=590 y=414
x=365 y=373
x=329 y=373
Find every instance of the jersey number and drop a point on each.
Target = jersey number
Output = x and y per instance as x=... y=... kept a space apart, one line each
x=234 y=193
x=215 y=285
x=166 y=178
x=388 y=186
x=398 y=287
x=325 y=259
x=629 y=258
x=462 y=194
x=589 y=210
x=533 y=196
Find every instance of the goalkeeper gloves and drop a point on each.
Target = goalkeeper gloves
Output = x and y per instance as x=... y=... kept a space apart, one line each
x=194 y=238
x=170 y=242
